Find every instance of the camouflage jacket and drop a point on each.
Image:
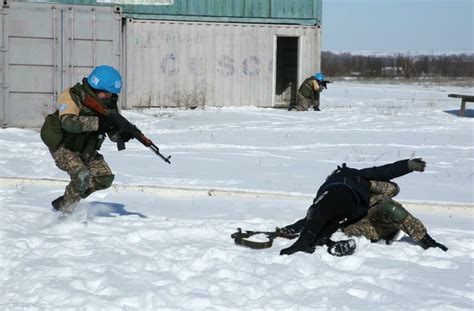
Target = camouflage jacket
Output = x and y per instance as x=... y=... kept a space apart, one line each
x=357 y=180
x=79 y=124
x=310 y=87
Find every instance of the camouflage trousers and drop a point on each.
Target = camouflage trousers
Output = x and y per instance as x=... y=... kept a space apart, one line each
x=88 y=173
x=384 y=220
x=304 y=103
x=382 y=191
x=386 y=216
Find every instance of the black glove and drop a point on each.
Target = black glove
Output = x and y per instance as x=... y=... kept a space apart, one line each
x=428 y=242
x=104 y=125
x=126 y=136
x=416 y=165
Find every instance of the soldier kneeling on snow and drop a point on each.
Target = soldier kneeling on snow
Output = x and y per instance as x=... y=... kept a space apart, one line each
x=360 y=203
x=309 y=93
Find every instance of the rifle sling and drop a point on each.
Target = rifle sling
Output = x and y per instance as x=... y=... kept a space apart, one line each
x=240 y=238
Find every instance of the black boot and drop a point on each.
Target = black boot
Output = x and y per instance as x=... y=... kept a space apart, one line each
x=297 y=248
x=292 y=231
x=303 y=244
x=341 y=248
x=57 y=203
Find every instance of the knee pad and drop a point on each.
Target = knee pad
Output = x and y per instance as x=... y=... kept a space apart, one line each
x=104 y=182
x=394 y=211
x=81 y=180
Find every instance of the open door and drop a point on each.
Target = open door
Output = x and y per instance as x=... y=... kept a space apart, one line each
x=286 y=71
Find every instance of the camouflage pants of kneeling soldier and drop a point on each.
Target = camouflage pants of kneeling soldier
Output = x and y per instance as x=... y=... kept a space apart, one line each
x=304 y=103
x=88 y=174
x=383 y=222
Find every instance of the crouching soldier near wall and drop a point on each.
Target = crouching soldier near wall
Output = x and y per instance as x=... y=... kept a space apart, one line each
x=308 y=93
x=75 y=133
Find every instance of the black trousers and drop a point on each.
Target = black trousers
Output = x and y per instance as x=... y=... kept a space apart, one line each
x=325 y=215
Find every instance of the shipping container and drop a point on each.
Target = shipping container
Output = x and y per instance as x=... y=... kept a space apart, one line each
x=300 y=12
x=47 y=48
x=190 y=64
x=182 y=53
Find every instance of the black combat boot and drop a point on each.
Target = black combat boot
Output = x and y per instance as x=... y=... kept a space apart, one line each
x=305 y=243
x=341 y=248
x=57 y=203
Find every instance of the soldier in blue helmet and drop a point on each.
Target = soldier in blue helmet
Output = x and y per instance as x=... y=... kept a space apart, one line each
x=75 y=133
x=308 y=93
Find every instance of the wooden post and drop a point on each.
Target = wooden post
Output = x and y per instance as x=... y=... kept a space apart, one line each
x=464 y=100
x=463 y=107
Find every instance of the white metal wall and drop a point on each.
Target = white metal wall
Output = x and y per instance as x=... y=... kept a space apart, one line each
x=2 y=67
x=216 y=64
x=47 y=48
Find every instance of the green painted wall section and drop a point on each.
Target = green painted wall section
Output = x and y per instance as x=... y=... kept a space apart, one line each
x=302 y=12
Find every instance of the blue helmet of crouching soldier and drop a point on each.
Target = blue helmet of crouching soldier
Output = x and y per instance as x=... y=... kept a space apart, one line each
x=105 y=78
x=319 y=76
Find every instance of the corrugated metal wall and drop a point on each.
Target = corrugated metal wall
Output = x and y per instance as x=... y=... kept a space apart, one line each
x=167 y=63
x=2 y=67
x=217 y=64
x=47 y=48
x=304 y=12
x=301 y=12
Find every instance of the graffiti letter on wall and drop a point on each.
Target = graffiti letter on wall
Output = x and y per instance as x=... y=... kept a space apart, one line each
x=168 y=65
x=225 y=65
x=251 y=66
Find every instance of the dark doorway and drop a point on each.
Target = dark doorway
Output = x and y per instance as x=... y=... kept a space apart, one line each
x=286 y=71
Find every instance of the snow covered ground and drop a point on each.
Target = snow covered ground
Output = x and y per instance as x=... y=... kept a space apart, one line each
x=160 y=238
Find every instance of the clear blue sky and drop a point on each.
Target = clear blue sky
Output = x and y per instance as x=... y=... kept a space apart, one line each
x=398 y=25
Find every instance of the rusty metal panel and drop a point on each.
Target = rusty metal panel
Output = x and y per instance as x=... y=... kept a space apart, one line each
x=214 y=64
x=49 y=47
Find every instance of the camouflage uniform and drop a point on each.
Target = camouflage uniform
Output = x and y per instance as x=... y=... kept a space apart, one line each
x=304 y=103
x=308 y=95
x=386 y=216
x=383 y=220
x=81 y=134
x=88 y=173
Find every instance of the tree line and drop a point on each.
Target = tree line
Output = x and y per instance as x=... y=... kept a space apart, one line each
x=397 y=65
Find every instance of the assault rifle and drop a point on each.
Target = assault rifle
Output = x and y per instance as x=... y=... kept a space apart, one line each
x=123 y=124
x=324 y=83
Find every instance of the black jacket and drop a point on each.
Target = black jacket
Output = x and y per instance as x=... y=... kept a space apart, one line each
x=357 y=180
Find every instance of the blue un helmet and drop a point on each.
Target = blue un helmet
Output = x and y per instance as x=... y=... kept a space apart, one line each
x=319 y=76
x=105 y=78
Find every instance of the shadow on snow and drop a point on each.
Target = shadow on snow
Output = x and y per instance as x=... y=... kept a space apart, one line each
x=106 y=209
x=468 y=113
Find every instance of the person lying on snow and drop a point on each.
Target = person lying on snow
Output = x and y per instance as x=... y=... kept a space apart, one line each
x=360 y=203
